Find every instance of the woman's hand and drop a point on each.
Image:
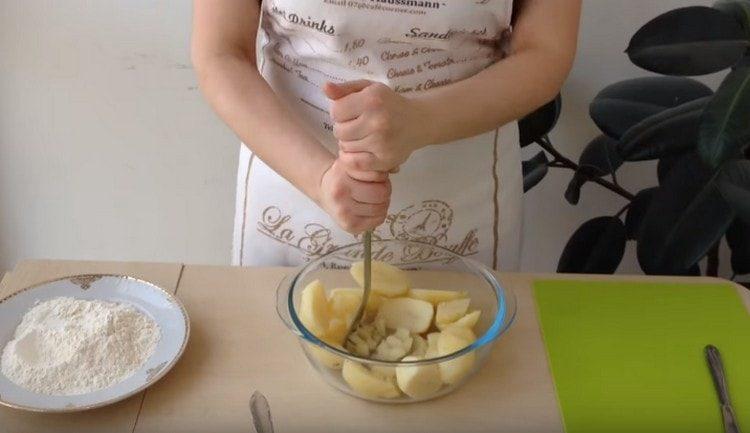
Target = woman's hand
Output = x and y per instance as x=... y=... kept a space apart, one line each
x=354 y=204
x=377 y=128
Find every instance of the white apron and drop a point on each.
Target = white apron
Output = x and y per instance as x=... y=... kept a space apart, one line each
x=464 y=196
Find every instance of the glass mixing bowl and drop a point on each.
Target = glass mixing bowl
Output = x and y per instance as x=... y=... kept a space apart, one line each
x=428 y=267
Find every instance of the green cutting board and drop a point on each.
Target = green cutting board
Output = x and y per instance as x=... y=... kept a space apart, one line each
x=628 y=356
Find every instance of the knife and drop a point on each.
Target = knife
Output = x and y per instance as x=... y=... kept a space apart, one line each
x=717 y=372
x=261 y=412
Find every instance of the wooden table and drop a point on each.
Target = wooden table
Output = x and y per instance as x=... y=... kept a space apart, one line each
x=238 y=345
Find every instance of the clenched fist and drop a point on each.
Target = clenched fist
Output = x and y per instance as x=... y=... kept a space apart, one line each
x=377 y=129
x=356 y=205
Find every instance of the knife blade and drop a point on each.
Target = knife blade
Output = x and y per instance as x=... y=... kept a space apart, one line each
x=261 y=413
x=720 y=382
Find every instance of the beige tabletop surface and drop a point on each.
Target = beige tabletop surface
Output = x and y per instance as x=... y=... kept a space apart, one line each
x=239 y=345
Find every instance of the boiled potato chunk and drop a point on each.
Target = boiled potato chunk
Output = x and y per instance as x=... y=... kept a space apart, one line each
x=418 y=381
x=395 y=346
x=325 y=357
x=367 y=383
x=450 y=311
x=313 y=308
x=341 y=301
x=412 y=314
x=344 y=304
x=461 y=332
x=373 y=305
x=451 y=340
x=468 y=321
x=384 y=372
x=418 y=347
x=432 y=345
x=337 y=329
x=366 y=338
x=455 y=370
x=387 y=280
x=436 y=296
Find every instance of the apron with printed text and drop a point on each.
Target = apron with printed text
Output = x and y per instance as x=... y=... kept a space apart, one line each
x=464 y=196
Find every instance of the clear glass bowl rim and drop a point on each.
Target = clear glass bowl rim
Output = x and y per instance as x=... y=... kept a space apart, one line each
x=506 y=307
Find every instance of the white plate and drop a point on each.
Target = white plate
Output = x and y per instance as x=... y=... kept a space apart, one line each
x=167 y=311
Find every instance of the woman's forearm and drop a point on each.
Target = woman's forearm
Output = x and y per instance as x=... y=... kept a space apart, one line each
x=504 y=92
x=238 y=93
x=223 y=53
x=542 y=49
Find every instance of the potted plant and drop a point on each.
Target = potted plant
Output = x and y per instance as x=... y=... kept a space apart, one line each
x=699 y=137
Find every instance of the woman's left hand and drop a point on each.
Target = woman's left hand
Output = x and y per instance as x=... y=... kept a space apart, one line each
x=377 y=128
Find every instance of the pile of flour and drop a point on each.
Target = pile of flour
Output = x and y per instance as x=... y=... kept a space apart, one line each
x=68 y=346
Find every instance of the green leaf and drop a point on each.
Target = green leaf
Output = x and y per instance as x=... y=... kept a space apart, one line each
x=637 y=211
x=725 y=124
x=734 y=184
x=596 y=247
x=738 y=239
x=740 y=10
x=539 y=123
x=600 y=157
x=573 y=192
x=694 y=40
x=694 y=271
x=534 y=170
x=665 y=165
x=687 y=215
x=672 y=131
x=621 y=105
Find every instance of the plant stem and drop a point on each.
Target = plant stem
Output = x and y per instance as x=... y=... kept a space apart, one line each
x=622 y=211
x=712 y=267
x=561 y=161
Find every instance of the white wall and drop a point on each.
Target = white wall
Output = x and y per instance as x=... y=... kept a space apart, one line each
x=107 y=150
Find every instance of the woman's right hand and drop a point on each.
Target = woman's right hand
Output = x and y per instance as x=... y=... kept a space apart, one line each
x=356 y=201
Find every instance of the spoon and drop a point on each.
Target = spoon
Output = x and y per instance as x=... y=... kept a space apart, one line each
x=261 y=412
x=366 y=292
